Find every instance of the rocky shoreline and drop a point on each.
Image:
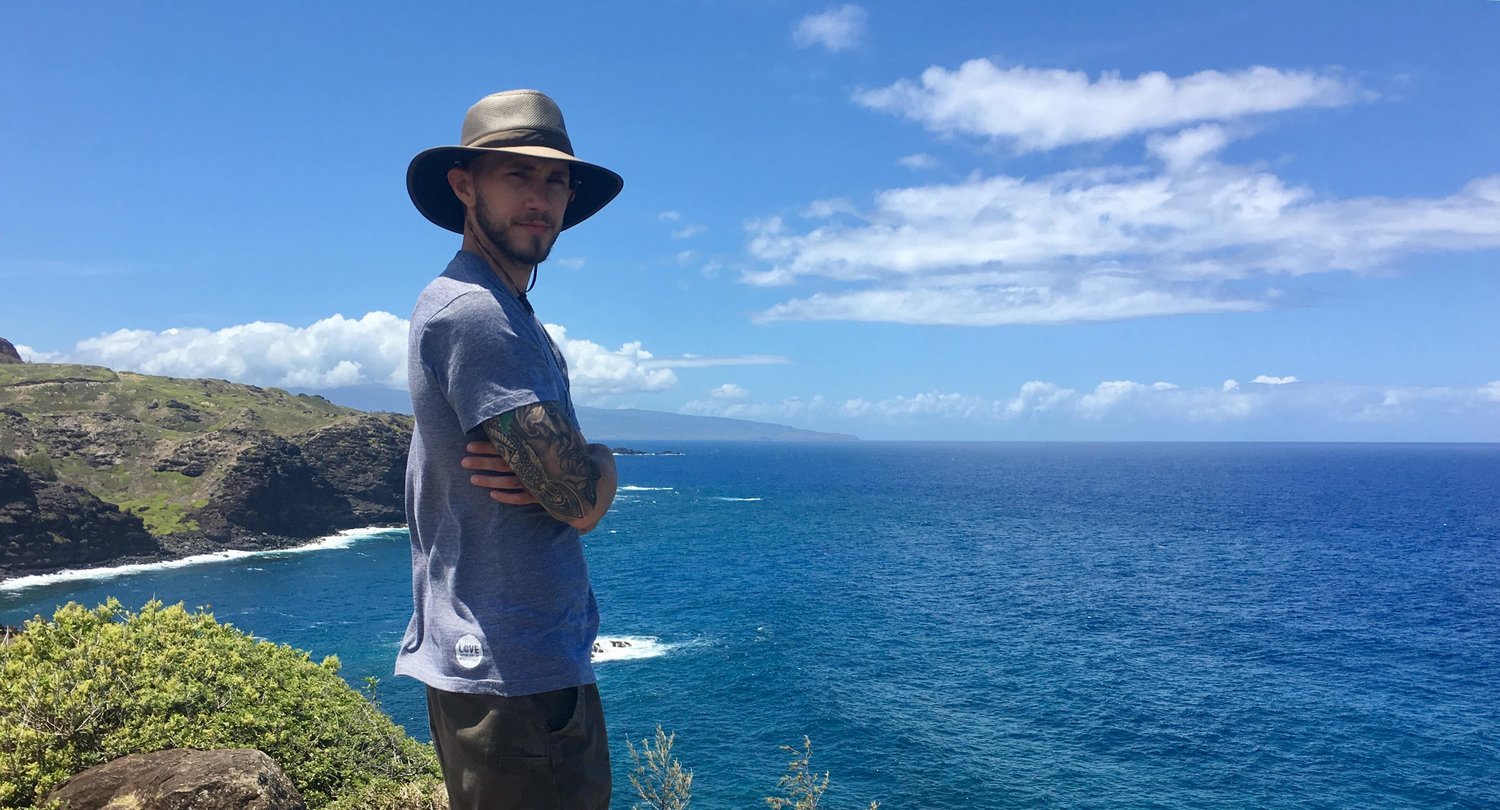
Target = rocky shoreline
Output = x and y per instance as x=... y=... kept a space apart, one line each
x=104 y=469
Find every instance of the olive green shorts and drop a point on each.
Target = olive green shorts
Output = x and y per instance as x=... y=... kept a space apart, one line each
x=532 y=752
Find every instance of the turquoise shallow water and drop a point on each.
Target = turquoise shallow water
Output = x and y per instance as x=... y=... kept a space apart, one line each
x=1001 y=625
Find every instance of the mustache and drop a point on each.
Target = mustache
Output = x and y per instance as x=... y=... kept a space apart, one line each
x=542 y=219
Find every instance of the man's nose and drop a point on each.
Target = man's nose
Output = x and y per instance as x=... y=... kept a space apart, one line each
x=539 y=195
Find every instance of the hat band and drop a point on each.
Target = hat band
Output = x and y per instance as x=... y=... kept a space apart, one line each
x=524 y=137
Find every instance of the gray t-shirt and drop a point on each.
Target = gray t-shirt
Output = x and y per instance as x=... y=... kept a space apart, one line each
x=501 y=596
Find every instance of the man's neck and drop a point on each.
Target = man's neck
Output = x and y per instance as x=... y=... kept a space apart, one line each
x=514 y=277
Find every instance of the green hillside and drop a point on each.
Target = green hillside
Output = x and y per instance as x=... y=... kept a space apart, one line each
x=196 y=461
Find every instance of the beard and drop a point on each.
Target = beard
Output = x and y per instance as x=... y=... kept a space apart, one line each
x=523 y=249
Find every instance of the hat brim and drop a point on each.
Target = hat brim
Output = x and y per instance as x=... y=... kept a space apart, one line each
x=427 y=183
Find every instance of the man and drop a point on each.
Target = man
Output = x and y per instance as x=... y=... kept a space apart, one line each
x=504 y=617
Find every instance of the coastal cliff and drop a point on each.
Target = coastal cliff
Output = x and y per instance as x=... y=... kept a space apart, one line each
x=101 y=467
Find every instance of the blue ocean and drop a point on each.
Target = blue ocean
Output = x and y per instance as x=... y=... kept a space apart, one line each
x=995 y=625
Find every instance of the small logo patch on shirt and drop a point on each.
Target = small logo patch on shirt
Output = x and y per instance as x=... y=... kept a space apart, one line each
x=469 y=652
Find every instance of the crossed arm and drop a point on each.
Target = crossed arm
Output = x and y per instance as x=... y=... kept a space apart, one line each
x=534 y=455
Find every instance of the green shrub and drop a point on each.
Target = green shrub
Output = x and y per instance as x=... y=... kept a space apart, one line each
x=93 y=685
x=426 y=793
x=40 y=464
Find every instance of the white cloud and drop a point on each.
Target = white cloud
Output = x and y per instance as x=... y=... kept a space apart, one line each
x=331 y=353
x=823 y=209
x=1108 y=396
x=1037 y=396
x=793 y=408
x=1187 y=235
x=698 y=361
x=573 y=263
x=918 y=161
x=335 y=352
x=689 y=232
x=1268 y=380
x=669 y=216
x=1183 y=232
x=595 y=371
x=729 y=391
x=932 y=403
x=983 y=304
x=1231 y=385
x=31 y=355
x=1044 y=109
x=1188 y=148
x=1109 y=400
x=837 y=29
x=1126 y=402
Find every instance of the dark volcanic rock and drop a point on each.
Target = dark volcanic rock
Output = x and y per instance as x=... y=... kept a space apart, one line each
x=8 y=353
x=271 y=489
x=366 y=460
x=197 y=455
x=100 y=440
x=183 y=779
x=47 y=525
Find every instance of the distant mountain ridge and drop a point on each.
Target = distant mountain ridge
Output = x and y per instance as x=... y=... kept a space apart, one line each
x=629 y=424
x=625 y=424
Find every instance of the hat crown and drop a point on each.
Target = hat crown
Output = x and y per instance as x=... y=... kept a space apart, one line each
x=515 y=116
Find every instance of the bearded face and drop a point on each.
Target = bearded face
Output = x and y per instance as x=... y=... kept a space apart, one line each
x=524 y=239
x=519 y=202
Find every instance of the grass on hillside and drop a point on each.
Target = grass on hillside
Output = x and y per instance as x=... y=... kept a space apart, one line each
x=108 y=428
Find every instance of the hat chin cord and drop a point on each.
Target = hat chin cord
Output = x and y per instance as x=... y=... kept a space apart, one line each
x=484 y=247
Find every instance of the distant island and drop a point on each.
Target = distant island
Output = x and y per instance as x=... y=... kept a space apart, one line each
x=631 y=451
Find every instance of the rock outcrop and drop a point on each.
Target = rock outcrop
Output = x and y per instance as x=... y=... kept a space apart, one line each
x=46 y=524
x=366 y=460
x=107 y=467
x=269 y=488
x=182 y=779
x=8 y=353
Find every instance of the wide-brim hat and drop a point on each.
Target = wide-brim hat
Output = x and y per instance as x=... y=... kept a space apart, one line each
x=522 y=122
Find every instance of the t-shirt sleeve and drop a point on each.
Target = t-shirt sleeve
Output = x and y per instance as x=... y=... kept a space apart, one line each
x=482 y=365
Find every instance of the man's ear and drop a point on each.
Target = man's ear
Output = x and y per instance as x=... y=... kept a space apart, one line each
x=461 y=180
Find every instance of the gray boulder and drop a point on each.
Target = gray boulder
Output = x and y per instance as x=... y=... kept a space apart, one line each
x=182 y=779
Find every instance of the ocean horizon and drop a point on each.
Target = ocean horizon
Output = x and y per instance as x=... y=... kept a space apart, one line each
x=989 y=624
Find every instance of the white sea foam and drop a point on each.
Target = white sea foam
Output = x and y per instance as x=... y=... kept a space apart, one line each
x=628 y=648
x=633 y=488
x=343 y=539
x=738 y=500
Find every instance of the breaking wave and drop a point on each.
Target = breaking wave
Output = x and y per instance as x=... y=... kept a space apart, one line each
x=343 y=539
x=628 y=648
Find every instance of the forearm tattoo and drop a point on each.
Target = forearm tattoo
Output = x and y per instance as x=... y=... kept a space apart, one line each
x=549 y=457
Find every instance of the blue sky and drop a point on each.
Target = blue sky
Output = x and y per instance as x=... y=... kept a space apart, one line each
x=1269 y=221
